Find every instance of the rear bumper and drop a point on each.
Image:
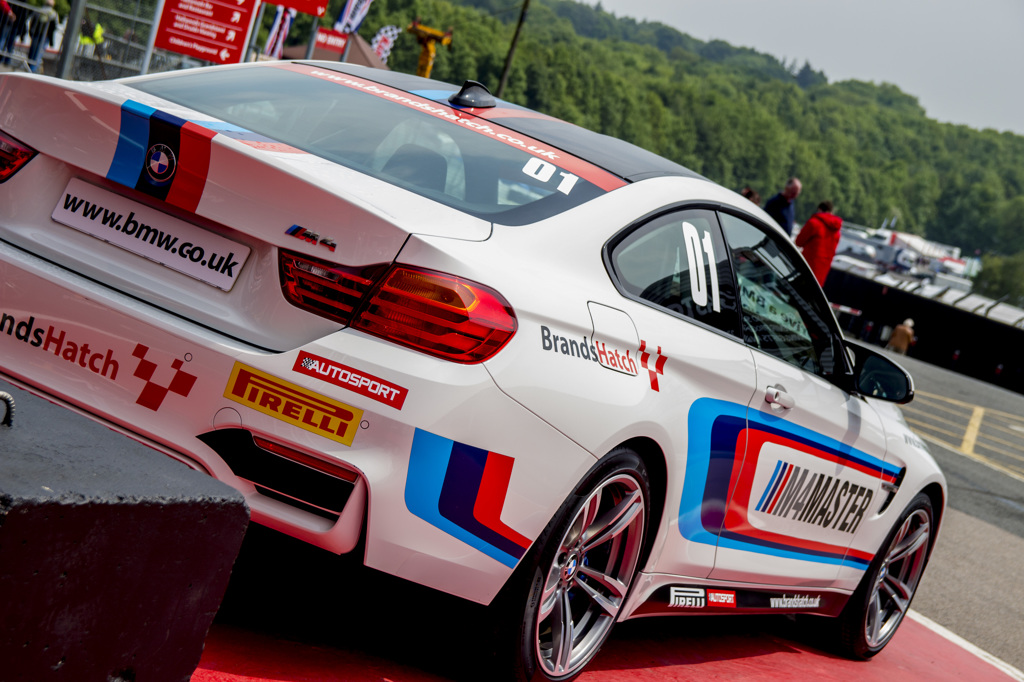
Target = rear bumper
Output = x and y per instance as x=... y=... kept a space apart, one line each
x=195 y=394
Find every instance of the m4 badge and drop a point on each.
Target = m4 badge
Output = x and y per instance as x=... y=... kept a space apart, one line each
x=299 y=232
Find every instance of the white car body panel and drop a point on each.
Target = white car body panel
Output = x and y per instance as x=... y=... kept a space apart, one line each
x=455 y=469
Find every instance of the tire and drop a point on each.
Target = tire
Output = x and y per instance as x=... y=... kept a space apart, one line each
x=870 y=619
x=569 y=593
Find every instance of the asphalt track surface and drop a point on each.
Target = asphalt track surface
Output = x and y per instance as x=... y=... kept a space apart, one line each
x=296 y=613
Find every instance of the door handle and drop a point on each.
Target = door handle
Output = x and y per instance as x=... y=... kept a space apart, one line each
x=774 y=395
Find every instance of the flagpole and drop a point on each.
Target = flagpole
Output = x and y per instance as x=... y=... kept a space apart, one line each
x=312 y=37
x=254 y=39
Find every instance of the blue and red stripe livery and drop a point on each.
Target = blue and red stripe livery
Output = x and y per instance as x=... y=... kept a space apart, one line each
x=142 y=127
x=461 y=489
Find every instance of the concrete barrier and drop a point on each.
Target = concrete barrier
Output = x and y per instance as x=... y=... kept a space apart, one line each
x=114 y=558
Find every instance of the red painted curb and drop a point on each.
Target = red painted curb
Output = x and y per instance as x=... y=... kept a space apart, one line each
x=651 y=650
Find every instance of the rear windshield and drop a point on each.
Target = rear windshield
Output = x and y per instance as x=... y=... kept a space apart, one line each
x=407 y=140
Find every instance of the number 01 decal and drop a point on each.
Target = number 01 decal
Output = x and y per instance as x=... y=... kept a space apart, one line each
x=697 y=248
x=544 y=171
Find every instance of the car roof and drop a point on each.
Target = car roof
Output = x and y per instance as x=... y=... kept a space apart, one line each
x=621 y=158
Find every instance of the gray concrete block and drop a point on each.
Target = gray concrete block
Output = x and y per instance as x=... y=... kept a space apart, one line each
x=114 y=558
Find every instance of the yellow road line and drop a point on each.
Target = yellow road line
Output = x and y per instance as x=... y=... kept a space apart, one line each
x=1012 y=431
x=929 y=427
x=942 y=398
x=991 y=411
x=984 y=442
x=1011 y=472
x=931 y=408
x=971 y=432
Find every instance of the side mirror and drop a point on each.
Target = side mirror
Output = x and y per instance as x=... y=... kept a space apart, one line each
x=876 y=376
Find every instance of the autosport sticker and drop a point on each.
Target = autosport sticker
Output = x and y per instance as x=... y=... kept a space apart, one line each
x=699 y=598
x=161 y=155
x=593 y=174
x=293 y=404
x=152 y=234
x=796 y=493
x=461 y=490
x=85 y=353
x=349 y=378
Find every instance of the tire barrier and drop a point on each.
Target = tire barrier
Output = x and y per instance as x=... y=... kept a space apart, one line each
x=114 y=558
x=8 y=401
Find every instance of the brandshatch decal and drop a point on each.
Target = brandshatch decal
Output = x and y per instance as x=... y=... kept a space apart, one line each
x=606 y=356
x=561 y=344
x=102 y=362
x=153 y=394
x=595 y=351
x=73 y=350
x=795 y=602
x=350 y=378
x=613 y=359
x=293 y=404
x=299 y=232
x=655 y=369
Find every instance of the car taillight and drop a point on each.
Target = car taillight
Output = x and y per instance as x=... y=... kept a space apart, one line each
x=325 y=288
x=438 y=314
x=13 y=155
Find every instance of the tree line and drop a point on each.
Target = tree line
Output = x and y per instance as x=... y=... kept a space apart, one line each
x=740 y=117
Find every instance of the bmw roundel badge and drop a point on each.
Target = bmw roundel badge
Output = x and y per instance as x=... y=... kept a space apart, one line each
x=160 y=163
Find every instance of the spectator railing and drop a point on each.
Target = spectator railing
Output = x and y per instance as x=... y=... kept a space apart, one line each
x=26 y=34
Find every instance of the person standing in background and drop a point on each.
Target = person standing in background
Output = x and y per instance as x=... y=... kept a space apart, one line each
x=44 y=25
x=13 y=28
x=782 y=206
x=819 y=238
x=902 y=337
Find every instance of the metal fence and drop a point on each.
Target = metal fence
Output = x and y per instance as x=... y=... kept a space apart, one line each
x=25 y=33
x=110 y=40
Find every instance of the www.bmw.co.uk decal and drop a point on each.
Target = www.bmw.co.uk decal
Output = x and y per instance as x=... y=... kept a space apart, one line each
x=461 y=490
x=161 y=155
x=791 y=498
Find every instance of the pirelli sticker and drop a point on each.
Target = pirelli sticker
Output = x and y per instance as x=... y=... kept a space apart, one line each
x=293 y=404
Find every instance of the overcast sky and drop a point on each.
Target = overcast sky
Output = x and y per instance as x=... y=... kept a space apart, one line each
x=962 y=59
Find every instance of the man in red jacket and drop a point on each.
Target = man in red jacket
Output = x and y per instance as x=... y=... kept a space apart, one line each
x=819 y=238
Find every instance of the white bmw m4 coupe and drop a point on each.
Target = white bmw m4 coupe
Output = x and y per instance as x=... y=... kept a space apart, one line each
x=503 y=356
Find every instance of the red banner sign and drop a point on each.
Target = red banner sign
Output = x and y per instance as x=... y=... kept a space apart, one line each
x=212 y=30
x=334 y=41
x=314 y=7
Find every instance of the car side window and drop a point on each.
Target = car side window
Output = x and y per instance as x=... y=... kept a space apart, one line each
x=783 y=313
x=679 y=262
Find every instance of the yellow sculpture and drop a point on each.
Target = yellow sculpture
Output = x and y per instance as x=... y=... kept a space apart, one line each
x=428 y=38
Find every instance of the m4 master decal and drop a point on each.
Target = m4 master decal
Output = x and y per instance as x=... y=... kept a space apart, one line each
x=795 y=493
x=461 y=490
x=161 y=155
